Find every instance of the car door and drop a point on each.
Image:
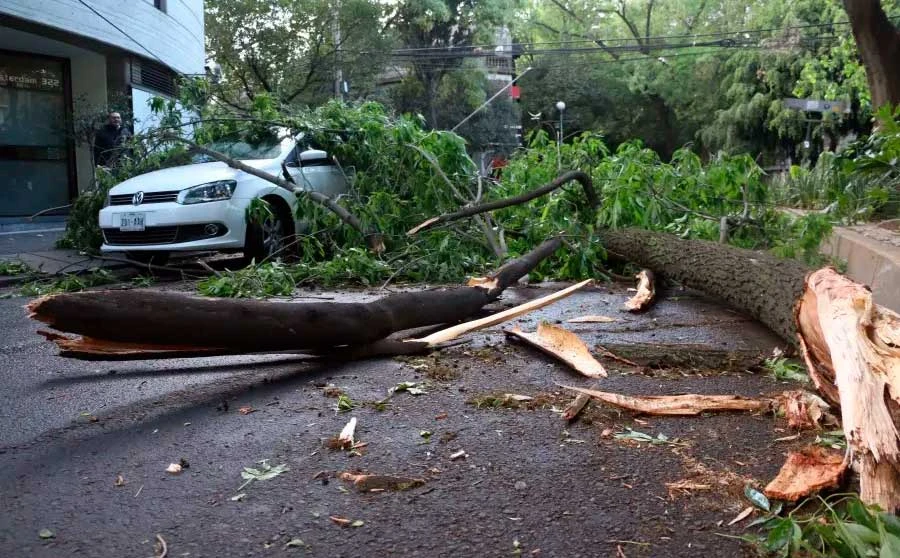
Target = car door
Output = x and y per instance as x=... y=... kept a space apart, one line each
x=313 y=169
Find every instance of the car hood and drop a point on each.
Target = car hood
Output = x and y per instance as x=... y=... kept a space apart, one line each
x=179 y=178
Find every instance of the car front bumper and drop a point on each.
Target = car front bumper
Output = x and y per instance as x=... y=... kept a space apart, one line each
x=175 y=227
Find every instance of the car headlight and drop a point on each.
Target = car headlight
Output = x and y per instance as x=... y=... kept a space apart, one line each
x=212 y=191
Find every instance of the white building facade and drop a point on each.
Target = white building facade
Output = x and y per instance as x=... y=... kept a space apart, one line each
x=64 y=61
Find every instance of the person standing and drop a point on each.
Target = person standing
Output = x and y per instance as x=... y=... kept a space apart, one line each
x=109 y=141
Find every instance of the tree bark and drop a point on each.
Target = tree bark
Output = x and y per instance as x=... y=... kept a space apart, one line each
x=762 y=285
x=878 y=42
x=169 y=322
x=851 y=346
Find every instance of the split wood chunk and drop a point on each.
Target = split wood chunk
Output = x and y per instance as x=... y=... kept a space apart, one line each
x=564 y=345
x=453 y=332
x=646 y=290
x=683 y=405
x=805 y=410
x=805 y=472
x=346 y=437
x=574 y=408
x=851 y=344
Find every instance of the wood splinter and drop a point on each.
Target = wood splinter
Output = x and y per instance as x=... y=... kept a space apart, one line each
x=564 y=345
x=646 y=292
x=681 y=405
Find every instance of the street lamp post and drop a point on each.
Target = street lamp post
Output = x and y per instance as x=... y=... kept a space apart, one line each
x=560 y=106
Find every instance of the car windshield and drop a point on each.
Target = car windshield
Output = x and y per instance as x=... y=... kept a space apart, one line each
x=243 y=150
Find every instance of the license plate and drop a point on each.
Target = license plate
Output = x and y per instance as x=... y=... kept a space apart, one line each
x=132 y=221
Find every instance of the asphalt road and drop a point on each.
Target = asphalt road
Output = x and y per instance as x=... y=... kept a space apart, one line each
x=84 y=447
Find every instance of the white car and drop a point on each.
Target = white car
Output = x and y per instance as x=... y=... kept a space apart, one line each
x=202 y=206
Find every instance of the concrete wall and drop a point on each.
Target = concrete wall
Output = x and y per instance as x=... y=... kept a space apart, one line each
x=88 y=71
x=870 y=261
x=174 y=36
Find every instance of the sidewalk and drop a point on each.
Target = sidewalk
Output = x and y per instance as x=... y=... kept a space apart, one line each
x=37 y=249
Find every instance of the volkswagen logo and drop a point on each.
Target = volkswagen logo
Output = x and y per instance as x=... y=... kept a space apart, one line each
x=137 y=199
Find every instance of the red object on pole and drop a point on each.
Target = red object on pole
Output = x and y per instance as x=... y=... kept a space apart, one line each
x=515 y=92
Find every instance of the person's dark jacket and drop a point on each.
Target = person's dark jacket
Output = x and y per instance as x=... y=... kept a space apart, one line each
x=108 y=144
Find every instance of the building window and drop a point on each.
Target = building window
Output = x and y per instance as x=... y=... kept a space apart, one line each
x=160 y=5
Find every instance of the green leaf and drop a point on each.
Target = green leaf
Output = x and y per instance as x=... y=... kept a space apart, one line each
x=860 y=514
x=890 y=544
x=757 y=498
x=780 y=535
x=46 y=534
x=891 y=523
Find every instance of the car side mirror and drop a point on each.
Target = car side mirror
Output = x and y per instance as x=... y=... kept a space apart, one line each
x=313 y=158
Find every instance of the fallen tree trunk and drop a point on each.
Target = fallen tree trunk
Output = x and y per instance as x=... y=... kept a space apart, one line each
x=169 y=322
x=851 y=346
x=579 y=176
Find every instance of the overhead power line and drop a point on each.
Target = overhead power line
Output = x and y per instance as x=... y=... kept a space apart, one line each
x=489 y=48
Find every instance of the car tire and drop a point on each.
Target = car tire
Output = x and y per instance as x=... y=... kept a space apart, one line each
x=269 y=240
x=152 y=258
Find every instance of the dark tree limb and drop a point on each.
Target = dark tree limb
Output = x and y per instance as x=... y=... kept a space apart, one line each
x=374 y=239
x=172 y=323
x=578 y=176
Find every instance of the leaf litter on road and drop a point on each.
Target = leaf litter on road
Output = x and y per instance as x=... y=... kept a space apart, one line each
x=261 y=473
x=643 y=437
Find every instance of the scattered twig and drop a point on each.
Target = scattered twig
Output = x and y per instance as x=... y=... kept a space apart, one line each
x=611 y=355
x=162 y=549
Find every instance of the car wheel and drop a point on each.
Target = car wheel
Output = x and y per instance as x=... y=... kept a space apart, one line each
x=152 y=258
x=267 y=240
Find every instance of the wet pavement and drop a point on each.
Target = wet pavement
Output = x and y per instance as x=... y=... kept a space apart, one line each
x=529 y=484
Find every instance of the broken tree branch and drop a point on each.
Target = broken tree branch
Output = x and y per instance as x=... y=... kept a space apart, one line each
x=579 y=176
x=171 y=323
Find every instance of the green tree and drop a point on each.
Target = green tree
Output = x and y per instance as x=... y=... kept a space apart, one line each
x=438 y=38
x=289 y=49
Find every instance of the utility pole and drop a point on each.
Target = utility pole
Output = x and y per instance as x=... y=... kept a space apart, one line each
x=338 y=72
